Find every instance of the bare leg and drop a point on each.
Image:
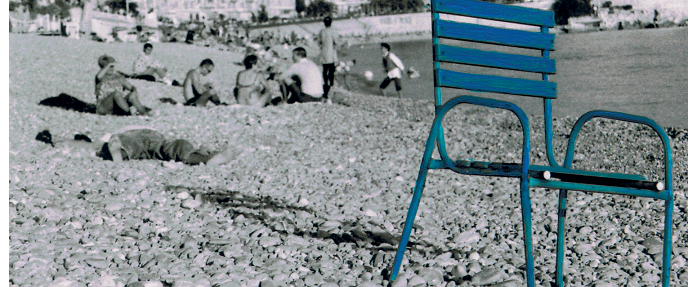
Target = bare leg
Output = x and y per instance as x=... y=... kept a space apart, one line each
x=132 y=98
x=209 y=95
x=399 y=94
x=383 y=92
x=106 y=107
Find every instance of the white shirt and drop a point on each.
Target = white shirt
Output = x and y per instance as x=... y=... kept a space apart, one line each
x=309 y=73
x=395 y=73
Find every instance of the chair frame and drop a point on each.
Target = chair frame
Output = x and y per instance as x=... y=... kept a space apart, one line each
x=530 y=175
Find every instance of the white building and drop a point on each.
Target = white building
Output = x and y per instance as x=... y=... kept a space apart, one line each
x=185 y=10
x=343 y=7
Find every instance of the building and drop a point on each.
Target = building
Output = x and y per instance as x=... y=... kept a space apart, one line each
x=243 y=10
x=344 y=7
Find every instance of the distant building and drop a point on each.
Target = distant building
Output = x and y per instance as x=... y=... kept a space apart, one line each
x=243 y=10
x=344 y=7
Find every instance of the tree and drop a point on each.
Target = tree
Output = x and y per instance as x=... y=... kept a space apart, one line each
x=318 y=8
x=300 y=6
x=564 y=9
x=262 y=15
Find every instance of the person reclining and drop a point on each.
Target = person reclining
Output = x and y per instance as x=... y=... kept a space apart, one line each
x=111 y=88
x=142 y=143
x=196 y=92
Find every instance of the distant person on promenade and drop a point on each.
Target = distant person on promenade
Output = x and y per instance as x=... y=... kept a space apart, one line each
x=110 y=89
x=147 y=68
x=302 y=80
x=251 y=88
x=136 y=143
x=196 y=91
x=328 y=40
x=393 y=67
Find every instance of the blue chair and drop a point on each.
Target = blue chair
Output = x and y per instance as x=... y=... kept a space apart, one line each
x=553 y=176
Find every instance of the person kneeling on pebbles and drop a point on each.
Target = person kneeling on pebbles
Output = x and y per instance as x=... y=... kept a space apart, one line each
x=135 y=143
x=110 y=89
x=196 y=92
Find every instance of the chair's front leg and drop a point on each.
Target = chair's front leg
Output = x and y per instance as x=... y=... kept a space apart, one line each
x=416 y=197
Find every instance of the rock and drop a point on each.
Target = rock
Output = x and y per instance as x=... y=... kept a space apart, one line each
x=468 y=237
x=432 y=276
x=488 y=276
x=400 y=281
x=459 y=271
x=313 y=280
x=417 y=281
x=191 y=203
x=582 y=249
x=107 y=281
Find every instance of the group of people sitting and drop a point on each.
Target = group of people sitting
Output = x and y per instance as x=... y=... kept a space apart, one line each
x=257 y=85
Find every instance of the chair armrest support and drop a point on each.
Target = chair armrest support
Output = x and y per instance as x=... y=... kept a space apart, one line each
x=523 y=119
x=626 y=118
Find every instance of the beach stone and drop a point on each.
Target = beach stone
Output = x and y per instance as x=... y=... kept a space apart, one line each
x=313 y=280
x=432 y=276
x=468 y=237
x=515 y=282
x=269 y=241
x=583 y=248
x=678 y=262
x=459 y=271
x=191 y=203
x=65 y=282
x=400 y=281
x=183 y=195
x=114 y=206
x=654 y=245
x=107 y=281
x=97 y=263
x=417 y=281
x=488 y=276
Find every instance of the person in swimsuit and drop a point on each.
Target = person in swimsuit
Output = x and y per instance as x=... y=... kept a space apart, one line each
x=115 y=95
x=251 y=89
x=196 y=93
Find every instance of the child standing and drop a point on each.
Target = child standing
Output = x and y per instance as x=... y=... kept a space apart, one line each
x=393 y=67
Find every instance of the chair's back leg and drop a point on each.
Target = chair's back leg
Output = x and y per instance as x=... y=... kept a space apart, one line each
x=526 y=218
x=666 y=255
x=416 y=197
x=560 y=257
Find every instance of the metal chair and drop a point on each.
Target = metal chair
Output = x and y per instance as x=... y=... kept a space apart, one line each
x=553 y=176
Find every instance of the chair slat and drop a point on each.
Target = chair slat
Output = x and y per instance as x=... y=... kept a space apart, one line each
x=485 y=10
x=492 y=35
x=468 y=56
x=495 y=84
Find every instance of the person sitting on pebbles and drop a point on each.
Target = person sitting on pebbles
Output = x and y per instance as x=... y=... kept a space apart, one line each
x=110 y=89
x=136 y=143
x=196 y=92
x=147 y=68
x=303 y=80
x=251 y=89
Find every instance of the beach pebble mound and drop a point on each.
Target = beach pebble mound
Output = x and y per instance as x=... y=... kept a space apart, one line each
x=318 y=196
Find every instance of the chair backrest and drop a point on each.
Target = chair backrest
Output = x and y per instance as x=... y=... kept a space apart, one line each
x=492 y=25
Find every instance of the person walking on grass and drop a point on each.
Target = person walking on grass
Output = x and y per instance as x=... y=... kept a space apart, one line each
x=393 y=67
x=196 y=91
x=328 y=41
x=111 y=89
x=147 y=68
x=302 y=81
x=142 y=143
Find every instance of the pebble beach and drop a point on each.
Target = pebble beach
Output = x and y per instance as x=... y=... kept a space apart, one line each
x=318 y=194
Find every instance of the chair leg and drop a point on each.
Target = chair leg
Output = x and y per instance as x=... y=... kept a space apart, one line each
x=526 y=218
x=562 y=201
x=416 y=196
x=668 y=224
x=411 y=214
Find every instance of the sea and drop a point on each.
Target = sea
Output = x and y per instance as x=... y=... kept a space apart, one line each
x=641 y=72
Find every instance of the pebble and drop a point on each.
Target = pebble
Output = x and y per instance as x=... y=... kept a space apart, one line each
x=313 y=280
x=191 y=203
x=417 y=281
x=488 y=276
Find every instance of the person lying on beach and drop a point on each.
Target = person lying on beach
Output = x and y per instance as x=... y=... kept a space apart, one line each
x=142 y=143
x=111 y=89
x=303 y=80
x=393 y=67
x=147 y=68
x=196 y=92
x=251 y=89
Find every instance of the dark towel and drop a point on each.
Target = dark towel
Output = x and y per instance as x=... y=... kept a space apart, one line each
x=69 y=102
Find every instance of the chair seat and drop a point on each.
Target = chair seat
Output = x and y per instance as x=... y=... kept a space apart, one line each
x=547 y=176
